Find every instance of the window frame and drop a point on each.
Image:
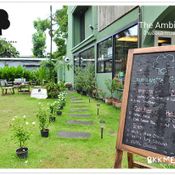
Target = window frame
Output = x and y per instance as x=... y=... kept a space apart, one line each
x=97 y=71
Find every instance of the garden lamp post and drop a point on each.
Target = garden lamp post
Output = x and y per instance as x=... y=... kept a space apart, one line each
x=102 y=126
x=89 y=98
x=98 y=108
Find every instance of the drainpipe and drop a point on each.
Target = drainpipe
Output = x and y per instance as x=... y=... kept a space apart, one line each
x=140 y=28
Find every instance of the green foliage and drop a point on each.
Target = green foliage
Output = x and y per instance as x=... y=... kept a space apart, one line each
x=41 y=25
x=111 y=86
x=43 y=117
x=39 y=44
x=39 y=38
x=53 y=89
x=7 y=49
x=10 y=73
x=21 y=129
x=85 y=79
x=60 y=35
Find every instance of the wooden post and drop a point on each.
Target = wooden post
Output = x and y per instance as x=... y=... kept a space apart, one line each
x=118 y=160
x=130 y=160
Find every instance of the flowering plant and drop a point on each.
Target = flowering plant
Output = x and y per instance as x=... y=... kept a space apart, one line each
x=62 y=98
x=21 y=129
x=55 y=106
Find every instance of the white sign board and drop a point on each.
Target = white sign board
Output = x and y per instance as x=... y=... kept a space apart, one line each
x=39 y=93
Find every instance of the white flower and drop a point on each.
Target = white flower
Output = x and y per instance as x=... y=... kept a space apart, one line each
x=26 y=161
x=33 y=123
x=24 y=116
x=27 y=123
x=13 y=119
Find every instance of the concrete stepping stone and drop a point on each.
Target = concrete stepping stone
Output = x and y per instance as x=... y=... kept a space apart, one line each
x=80 y=115
x=77 y=102
x=78 y=122
x=76 y=105
x=75 y=98
x=79 y=110
x=73 y=134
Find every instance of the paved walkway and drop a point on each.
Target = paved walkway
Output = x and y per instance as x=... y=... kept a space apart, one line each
x=78 y=111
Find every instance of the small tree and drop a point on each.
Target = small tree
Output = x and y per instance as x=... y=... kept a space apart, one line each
x=111 y=86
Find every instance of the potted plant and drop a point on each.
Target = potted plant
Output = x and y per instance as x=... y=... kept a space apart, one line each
x=68 y=85
x=62 y=100
x=21 y=129
x=111 y=86
x=43 y=119
x=52 y=117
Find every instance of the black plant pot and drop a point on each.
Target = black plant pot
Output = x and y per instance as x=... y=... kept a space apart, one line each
x=84 y=93
x=45 y=132
x=59 y=112
x=22 y=152
x=78 y=91
x=52 y=119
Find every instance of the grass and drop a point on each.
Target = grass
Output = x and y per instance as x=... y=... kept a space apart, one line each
x=55 y=152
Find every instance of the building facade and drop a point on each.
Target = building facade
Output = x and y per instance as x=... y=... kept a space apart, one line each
x=102 y=35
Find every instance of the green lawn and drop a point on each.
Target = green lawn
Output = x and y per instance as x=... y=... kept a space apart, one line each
x=54 y=152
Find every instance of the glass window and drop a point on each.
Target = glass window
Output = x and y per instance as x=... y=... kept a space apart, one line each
x=84 y=58
x=125 y=40
x=104 y=56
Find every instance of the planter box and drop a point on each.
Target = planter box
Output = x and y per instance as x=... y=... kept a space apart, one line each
x=116 y=103
x=108 y=101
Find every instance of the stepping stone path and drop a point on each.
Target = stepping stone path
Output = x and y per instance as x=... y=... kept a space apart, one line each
x=79 y=122
x=80 y=115
x=72 y=134
x=77 y=105
x=79 y=110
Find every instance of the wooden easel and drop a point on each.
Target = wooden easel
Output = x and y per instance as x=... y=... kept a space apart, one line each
x=121 y=147
x=131 y=162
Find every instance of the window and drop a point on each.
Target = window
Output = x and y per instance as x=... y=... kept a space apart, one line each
x=125 y=40
x=84 y=58
x=164 y=41
x=104 y=56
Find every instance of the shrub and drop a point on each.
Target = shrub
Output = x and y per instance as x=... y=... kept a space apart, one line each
x=10 y=73
x=85 y=79
x=54 y=89
x=43 y=117
x=111 y=86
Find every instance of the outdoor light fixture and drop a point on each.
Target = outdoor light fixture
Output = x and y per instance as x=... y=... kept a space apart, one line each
x=91 y=27
x=98 y=108
x=102 y=126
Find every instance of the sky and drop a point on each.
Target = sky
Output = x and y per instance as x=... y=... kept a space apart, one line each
x=21 y=16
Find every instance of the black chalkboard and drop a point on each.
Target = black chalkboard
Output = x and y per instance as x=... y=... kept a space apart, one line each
x=150 y=114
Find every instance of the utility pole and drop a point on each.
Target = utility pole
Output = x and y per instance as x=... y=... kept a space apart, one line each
x=51 y=31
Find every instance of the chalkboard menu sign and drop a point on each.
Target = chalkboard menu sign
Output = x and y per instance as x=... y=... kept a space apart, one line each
x=147 y=122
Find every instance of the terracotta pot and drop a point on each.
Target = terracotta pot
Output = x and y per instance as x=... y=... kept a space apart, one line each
x=116 y=103
x=108 y=101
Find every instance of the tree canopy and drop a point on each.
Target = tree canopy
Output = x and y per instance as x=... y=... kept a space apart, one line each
x=60 y=19
x=7 y=50
x=39 y=37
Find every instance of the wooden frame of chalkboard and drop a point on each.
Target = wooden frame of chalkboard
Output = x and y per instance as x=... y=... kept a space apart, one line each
x=120 y=146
